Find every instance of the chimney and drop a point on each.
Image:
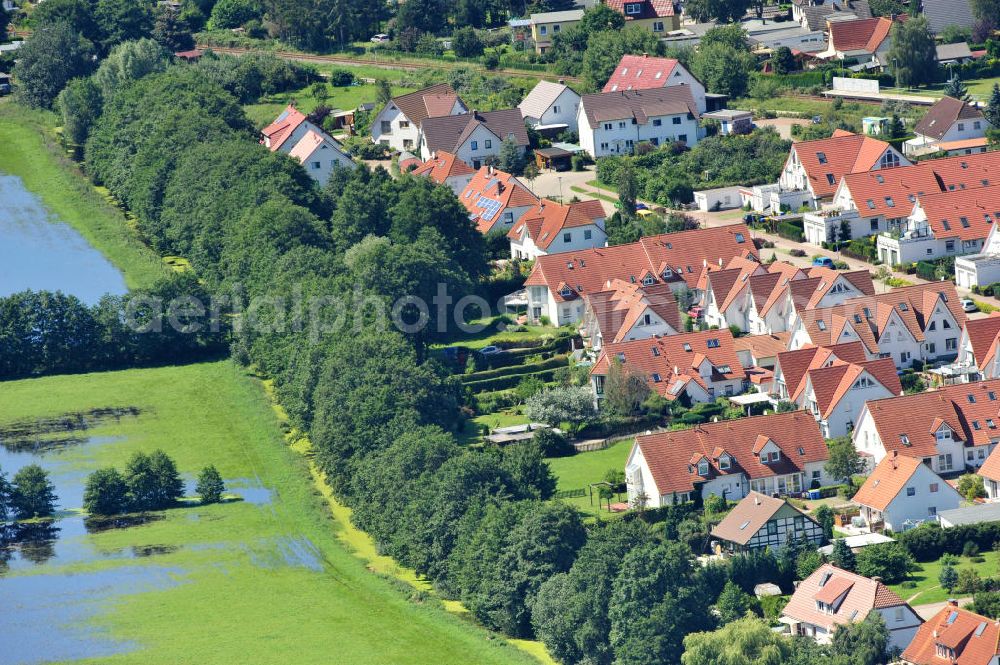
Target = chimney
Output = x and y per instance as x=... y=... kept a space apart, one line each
x=756 y=500
x=475 y=114
x=952 y=602
x=562 y=81
x=877 y=579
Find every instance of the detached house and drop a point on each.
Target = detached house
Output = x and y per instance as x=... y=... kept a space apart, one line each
x=864 y=40
x=779 y=454
x=658 y=16
x=641 y=72
x=692 y=367
x=546 y=25
x=956 y=637
x=759 y=521
x=446 y=168
x=551 y=108
x=814 y=168
x=949 y=120
x=990 y=471
x=320 y=155
x=612 y=123
x=943 y=224
x=473 y=137
x=816 y=14
x=287 y=130
x=832 y=597
x=903 y=492
x=624 y=311
x=398 y=125
x=951 y=430
x=921 y=322
x=558 y=282
x=553 y=228
x=496 y=199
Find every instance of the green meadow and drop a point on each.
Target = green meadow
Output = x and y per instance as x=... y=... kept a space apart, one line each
x=270 y=579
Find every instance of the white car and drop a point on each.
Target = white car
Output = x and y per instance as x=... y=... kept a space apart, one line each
x=380 y=38
x=969 y=305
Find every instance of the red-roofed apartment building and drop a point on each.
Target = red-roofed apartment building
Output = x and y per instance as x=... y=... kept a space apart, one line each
x=642 y=72
x=658 y=16
x=956 y=637
x=763 y=299
x=952 y=430
x=397 y=125
x=692 y=367
x=902 y=493
x=832 y=597
x=920 y=322
x=864 y=40
x=871 y=202
x=951 y=223
x=778 y=454
x=445 y=168
x=552 y=228
x=834 y=383
x=624 y=311
x=496 y=199
x=980 y=208
x=558 y=282
x=816 y=167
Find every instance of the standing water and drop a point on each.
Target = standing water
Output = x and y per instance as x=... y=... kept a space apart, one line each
x=41 y=253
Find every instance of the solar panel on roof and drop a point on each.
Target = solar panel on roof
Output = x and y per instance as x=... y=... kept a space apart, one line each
x=980 y=628
x=952 y=617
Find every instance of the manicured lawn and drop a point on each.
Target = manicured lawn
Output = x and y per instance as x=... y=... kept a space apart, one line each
x=578 y=471
x=30 y=151
x=979 y=88
x=928 y=589
x=344 y=98
x=492 y=334
x=269 y=580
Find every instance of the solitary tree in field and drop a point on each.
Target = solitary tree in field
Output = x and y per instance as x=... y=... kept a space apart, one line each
x=948 y=577
x=210 y=486
x=33 y=494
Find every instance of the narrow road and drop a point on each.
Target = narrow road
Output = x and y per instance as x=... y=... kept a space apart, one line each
x=930 y=609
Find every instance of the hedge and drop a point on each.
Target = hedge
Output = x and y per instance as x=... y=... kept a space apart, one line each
x=791 y=231
x=925 y=270
x=929 y=541
x=489 y=402
x=504 y=382
x=512 y=370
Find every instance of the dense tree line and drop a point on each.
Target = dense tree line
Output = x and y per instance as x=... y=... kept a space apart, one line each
x=149 y=482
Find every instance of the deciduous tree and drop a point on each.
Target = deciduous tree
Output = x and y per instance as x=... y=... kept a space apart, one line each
x=913 y=55
x=106 y=492
x=844 y=461
x=53 y=56
x=32 y=493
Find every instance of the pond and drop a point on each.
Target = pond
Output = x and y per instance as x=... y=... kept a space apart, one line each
x=39 y=252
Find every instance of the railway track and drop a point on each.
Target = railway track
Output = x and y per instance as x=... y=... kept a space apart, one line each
x=382 y=64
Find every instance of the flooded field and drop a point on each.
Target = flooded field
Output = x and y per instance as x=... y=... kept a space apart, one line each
x=41 y=253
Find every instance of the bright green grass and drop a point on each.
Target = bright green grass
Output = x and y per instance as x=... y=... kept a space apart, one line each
x=928 y=589
x=471 y=433
x=578 y=471
x=29 y=151
x=345 y=98
x=978 y=88
x=237 y=600
x=490 y=335
x=595 y=195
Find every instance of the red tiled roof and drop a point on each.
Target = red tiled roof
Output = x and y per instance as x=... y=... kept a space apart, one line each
x=831 y=383
x=843 y=153
x=498 y=190
x=547 y=219
x=764 y=346
x=667 y=453
x=443 y=165
x=668 y=361
x=796 y=365
x=865 y=34
x=973 y=637
x=620 y=305
x=968 y=214
x=650 y=8
x=278 y=131
x=685 y=254
x=917 y=417
x=982 y=334
x=886 y=481
x=828 y=583
x=640 y=72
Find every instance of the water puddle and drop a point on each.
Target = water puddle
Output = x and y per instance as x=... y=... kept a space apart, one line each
x=49 y=613
x=41 y=253
x=298 y=551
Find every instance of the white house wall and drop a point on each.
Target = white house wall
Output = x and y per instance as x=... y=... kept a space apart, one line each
x=563 y=111
x=402 y=135
x=623 y=135
x=916 y=509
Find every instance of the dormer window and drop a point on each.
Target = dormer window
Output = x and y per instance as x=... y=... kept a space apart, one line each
x=712 y=343
x=667 y=273
x=724 y=369
x=633 y=8
x=648 y=280
x=724 y=462
x=771 y=457
x=566 y=292
x=703 y=468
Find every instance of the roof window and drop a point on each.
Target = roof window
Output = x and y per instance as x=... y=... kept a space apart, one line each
x=712 y=343
x=821 y=156
x=904 y=439
x=972 y=399
x=965 y=222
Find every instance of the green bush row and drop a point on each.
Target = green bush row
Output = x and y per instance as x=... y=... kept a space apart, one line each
x=504 y=382
x=514 y=370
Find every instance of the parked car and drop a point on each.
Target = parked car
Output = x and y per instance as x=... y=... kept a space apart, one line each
x=380 y=38
x=969 y=305
x=490 y=350
x=823 y=262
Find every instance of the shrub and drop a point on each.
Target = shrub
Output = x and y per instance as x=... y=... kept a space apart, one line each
x=890 y=561
x=970 y=549
x=341 y=78
x=553 y=444
x=797 y=252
